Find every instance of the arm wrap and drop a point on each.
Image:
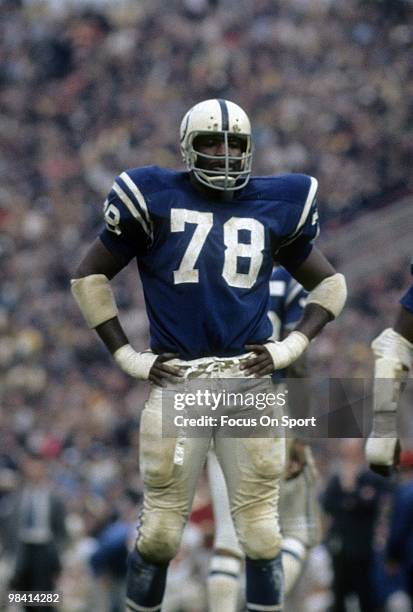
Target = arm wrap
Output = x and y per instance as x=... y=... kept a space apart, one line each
x=286 y=352
x=331 y=294
x=133 y=363
x=95 y=298
x=393 y=357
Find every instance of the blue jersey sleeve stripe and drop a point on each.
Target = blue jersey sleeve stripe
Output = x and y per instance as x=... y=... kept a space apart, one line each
x=138 y=195
x=132 y=208
x=295 y=289
x=307 y=206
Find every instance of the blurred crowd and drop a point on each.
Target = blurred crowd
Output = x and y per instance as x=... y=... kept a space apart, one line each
x=88 y=89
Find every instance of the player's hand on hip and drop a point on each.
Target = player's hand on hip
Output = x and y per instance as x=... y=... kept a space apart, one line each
x=161 y=373
x=284 y=353
x=147 y=365
x=259 y=364
x=275 y=355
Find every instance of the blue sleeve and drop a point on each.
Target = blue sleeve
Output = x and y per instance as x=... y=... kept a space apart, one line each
x=128 y=226
x=298 y=244
x=287 y=300
x=294 y=305
x=407 y=300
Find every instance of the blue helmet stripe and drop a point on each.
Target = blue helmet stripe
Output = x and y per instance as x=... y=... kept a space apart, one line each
x=224 y=115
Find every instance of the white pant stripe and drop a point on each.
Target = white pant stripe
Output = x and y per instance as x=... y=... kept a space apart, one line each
x=133 y=606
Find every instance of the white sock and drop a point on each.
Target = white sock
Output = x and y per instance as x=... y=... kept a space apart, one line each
x=223 y=583
x=293 y=555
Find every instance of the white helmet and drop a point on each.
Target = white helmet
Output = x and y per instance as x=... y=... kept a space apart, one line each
x=222 y=117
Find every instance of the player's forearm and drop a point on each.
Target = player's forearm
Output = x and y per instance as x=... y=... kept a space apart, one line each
x=314 y=318
x=325 y=302
x=286 y=352
x=95 y=299
x=112 y=335
x=393 y=357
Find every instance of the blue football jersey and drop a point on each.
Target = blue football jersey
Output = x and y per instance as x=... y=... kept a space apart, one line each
x=205 y=263
x=287 y=302
x=407 y=300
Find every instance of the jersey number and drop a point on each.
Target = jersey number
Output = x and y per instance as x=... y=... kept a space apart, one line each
x=112 y=218
x=187 y=273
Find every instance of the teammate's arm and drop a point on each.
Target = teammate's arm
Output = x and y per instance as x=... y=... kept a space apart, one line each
x=327 y=295
x=92 y=291
x=393 y=352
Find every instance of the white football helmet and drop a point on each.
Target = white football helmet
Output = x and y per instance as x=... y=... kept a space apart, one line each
x=222 y=117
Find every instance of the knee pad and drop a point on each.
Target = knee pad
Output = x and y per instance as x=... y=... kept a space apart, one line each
x=258 y=532
x=160 y=534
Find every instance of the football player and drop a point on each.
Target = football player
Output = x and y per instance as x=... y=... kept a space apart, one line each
x=299 y=514
x=393 y=351
x=205 y=240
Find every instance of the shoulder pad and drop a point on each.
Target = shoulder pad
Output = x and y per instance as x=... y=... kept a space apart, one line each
x=292 y=188
x=151 y=179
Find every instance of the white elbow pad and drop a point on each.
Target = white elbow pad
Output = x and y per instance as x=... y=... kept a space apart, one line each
x=95 y=298
x=331 y=294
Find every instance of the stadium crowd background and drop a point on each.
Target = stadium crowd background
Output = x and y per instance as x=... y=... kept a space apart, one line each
x=89 y=89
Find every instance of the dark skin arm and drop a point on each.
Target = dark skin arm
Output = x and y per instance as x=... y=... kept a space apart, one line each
x=404 y=324
x=311 y=272
x=98 y=260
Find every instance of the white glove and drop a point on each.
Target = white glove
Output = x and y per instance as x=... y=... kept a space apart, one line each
x=288 y=350
x=133 y=363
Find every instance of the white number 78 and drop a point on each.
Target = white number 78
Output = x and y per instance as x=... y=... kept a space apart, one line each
x=187 y=273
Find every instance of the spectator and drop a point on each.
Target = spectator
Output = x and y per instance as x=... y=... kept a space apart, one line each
x=352 y=499
x=37 y=520
x=400 y=542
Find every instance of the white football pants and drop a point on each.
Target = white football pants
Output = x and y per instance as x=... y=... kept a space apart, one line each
x=171 y=466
